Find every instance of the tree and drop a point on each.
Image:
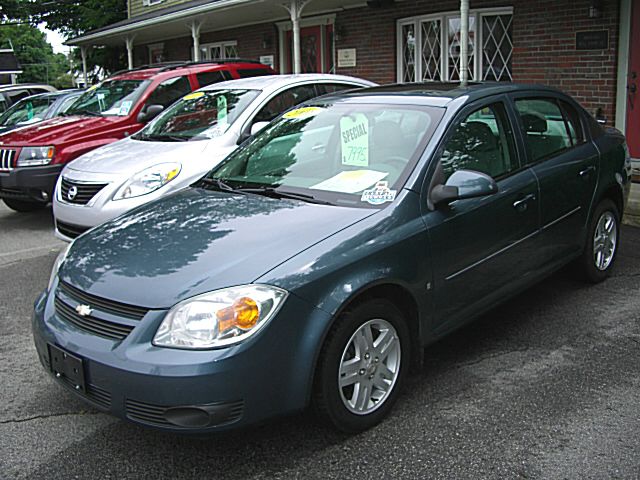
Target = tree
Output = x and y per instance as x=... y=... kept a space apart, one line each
x=35 y=54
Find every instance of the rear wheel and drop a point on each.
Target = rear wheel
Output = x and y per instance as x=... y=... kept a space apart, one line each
x=603 y=236
x=362 y=366
x=22 y=205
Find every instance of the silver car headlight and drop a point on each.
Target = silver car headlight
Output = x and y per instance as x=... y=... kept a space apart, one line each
x=219 y=318
x=34 y=156
x=148 y=180
x=57 y=264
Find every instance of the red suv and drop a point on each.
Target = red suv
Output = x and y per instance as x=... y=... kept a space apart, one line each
x=31 y=158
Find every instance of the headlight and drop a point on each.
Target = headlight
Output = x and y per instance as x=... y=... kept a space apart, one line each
x=56 y=265
x=219 y=318
x=148 y=180
x=33 y=156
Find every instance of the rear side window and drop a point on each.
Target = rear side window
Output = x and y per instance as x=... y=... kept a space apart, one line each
x=483 y=142
x=544 y=128
x=169 y=91
x=253 y=72
x=207 y=78
x=325 y=88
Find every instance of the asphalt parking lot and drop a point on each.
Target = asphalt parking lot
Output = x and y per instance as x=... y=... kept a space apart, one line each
x=545 y=386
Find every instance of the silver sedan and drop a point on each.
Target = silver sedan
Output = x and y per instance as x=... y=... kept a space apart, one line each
x=178 y=147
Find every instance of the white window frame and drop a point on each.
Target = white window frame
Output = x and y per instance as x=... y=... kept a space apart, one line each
x=150 y=3
x=221 y=45
x=443 y=17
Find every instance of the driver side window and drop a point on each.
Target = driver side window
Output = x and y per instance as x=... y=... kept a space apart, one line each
x=483 y=142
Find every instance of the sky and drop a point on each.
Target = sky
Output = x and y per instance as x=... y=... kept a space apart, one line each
x=55 y=39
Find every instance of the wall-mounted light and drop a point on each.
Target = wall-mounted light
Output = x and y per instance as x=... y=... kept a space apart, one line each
x=595 y=9
x=339 y=33
x=266 y=42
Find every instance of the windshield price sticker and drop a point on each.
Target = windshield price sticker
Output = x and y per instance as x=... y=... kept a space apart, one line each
x=221 y=104
x=354 y=137
x=300 y=113
x=379 y=194
x=125 y=108
x=193 y=96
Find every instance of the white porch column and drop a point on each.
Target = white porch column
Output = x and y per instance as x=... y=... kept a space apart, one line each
x=195 y=34
x=83 y=54
x=295 y=11
x=464 y=42
x=129 y=43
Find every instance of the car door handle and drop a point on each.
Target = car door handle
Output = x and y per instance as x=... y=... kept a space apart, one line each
x=522 y=204
x=587 y=171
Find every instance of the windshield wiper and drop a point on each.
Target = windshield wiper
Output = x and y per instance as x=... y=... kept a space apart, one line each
x=164 y=138
x=219 y=184
x=272 y=192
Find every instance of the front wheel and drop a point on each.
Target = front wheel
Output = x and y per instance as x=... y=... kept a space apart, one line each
x=22 y=205
x=362 y=366
x=603 y=236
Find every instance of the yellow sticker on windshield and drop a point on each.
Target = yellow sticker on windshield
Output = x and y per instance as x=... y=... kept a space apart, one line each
x=93 y=87
x=303 y=112
x=193 y=96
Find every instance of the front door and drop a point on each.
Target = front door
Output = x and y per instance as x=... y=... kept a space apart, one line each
x=482 y=246
x=316 y=49
x=633 y=85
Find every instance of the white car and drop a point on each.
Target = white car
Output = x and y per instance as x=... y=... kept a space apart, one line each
x=178 y=147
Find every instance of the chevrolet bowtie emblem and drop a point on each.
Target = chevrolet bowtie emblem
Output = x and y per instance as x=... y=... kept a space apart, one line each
x=84 y=310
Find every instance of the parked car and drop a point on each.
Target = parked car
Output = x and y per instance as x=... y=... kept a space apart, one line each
x=32 y=158
x=315 y=262
x=10 y=94
x=178 y=147
x=37 y=108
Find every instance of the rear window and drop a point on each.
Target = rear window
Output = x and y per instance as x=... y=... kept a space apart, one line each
x=253 y=72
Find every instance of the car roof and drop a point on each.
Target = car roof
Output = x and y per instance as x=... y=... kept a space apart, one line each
x=273 y=82
x=435 y=93
x=17 y=86
x=173 y=69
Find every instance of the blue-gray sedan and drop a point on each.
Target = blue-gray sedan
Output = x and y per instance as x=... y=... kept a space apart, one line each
x=314 y=264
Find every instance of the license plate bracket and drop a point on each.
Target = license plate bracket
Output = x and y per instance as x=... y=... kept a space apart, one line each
x=67 y=367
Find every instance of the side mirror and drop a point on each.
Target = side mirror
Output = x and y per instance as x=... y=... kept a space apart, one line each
x=463 y=184
x=149 y=113
x=257 y=126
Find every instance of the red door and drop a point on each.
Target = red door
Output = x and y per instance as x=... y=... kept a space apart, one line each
x=633 y=84
x=310 y=50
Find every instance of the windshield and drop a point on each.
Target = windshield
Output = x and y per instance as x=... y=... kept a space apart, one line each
x=353 y=154
x=111 y=97
x=199 y=116
x=29 y=110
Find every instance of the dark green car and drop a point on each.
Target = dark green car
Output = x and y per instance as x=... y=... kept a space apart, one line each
x=314 y=264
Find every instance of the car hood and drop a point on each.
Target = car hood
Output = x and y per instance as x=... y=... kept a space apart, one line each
x=59 y=130
x=128 y=156
x=194 y=242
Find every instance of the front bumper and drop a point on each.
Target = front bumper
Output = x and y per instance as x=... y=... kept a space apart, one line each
x=33 y=184
x=189 y=391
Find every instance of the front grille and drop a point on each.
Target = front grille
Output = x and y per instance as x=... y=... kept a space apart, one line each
x=70 y=230
x=7 y=159
x=155 y=414
x=102 y=304
x=81 y=194
x=90 y=323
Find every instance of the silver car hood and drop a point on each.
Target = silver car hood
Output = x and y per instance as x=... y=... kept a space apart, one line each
x=128 y=156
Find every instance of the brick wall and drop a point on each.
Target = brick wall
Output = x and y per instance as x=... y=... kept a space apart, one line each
x=543 y=36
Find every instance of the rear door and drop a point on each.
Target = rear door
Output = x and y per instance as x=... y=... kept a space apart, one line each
x=482 y=246
x=565 y=163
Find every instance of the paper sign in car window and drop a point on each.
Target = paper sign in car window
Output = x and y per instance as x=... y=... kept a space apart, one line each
x=125 y=108
x=221 y=104
x=193 y=96
x=300 y=113
x=354 y=139
x=379 y=194
x=352 y=181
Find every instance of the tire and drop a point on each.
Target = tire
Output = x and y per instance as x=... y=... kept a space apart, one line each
x=23 y=206
x=358 y=401
x=601 y=248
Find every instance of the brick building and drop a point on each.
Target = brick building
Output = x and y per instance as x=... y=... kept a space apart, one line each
x=589 y=48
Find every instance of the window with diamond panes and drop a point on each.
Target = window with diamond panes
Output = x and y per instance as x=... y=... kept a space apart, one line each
x=409 y=53
x=431 y=50
x=454 y=48
x=497 y=47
